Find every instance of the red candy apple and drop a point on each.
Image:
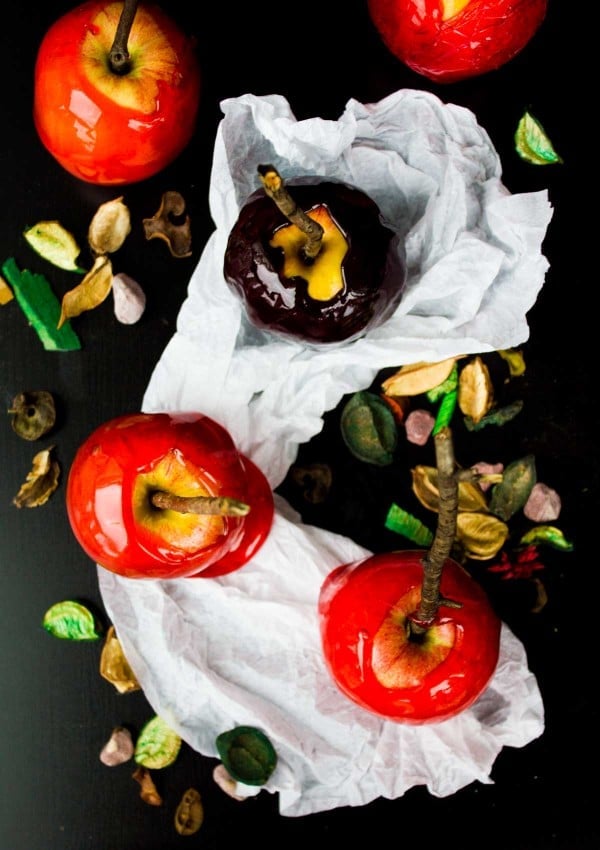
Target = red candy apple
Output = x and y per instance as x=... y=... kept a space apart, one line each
x=410 y=635
x=114 y=112
x=164 y=495
x=449 y=40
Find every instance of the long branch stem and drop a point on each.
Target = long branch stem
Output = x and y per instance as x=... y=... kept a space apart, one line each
x=208 y=505
x=276 y=190
x=119 y=52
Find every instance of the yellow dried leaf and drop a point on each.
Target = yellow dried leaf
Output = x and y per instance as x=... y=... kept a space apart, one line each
x=114 y=667
x=481 y=535
x=417 y=378
x=40 y=482
x=425 y=488
x=109 y=227
x=51 y=241
x=475 y=390
x=515 y=361
x=91 y=292
x=6 y=293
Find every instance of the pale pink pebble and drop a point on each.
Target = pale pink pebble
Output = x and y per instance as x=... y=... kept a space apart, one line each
x=119 y=747
x=419 y=425
x=487 y=469
x=543 y=504
x=129 y=299
x=226 y=782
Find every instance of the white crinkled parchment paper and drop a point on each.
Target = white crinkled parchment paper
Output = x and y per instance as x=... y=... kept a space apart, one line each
x=211 y=654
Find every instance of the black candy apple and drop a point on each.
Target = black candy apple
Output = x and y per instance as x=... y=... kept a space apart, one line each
x=317 y=263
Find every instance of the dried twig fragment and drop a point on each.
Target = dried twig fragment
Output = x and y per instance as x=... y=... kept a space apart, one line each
x=34 y=414
x=41 y=481
x=166 y=225
x=114 y=667
x=118 y=749
x=189 y=813
x=109 y=227
x=148 y=791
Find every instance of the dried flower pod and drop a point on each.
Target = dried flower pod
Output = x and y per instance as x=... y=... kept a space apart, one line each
x=189 y=814
x=109 y=227
x=34 y=414
x=148 y=791
x=40 y=482
x=226 y=782
x=119 y=747
x=164 y=225
x=129 y=299
x=114 y=667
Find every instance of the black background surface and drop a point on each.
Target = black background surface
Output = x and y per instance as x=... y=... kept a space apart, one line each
x=56 y=711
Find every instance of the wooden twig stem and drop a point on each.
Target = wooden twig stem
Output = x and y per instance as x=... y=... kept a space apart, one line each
x=276 y=190
x=209 y=505
x=119 y=52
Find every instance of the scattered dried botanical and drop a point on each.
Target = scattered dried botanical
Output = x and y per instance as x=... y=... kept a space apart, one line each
x=369 y=429
x=543 y=504
x=515 y=361
x=189 y=814
x=129 y=299
x=247 y=754
x=119 y=747
x=548 y=534
x=114 y=666
x=58 y=246
x=315 y=480
x=475 y=390
x=157 y=745
x=497 y=416
x=148 y=791
x=70 y=620
x=409 y=526
x=6 y=293
x=34 y=414
x=532 y=143
x=511 y=494
x=480 y=535
x=425 y=488
x=109 y=227
x=226 y=782
x=166 y=225
x=418 y=378
x=41 y=481
x=90 y=293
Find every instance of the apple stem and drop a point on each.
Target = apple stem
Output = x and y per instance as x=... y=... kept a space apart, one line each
x=276 y=190
x=443 y=540
x=119 y=54
x=209 y=505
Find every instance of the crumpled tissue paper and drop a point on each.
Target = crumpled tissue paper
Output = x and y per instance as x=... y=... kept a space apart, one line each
x=244 y=649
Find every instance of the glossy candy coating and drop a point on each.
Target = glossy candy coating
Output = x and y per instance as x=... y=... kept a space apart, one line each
x=354 y=611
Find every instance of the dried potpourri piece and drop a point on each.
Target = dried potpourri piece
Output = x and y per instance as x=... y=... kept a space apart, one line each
x=157 y=745
x=247 y=754
x=369 y=429
x=166 y=225
x=480 y=535
x=6 y=293
x=51 y=241
x=419 y=426
x=33 y=414
x=498 y=416
x=70 y=620
x=547 y=534
x=129 y=299
x=189 y=814
x=114 y=666
x=41 y=481
x=315 y=480
x=109 y=227
x=425 y=488
x=532 y=143
x=90 y=293
x=543 y=505
x=41 y=307
x=475 y=390
x=148 y=791
x=512 y=493
x=119 y=747
x=418 y=378
x=401 y=522
x=515 y=360
x=226 y=782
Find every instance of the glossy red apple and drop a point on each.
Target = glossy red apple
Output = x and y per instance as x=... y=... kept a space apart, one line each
x=129 y=490
x=121 y=123
x=449 y=40
x=364 y=613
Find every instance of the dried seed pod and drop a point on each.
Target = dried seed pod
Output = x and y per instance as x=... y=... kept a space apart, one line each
x=34 y=414
x=109 y=227
x=481 y=535
x=163 y=225
x=90 y=293
x=70 y=620
x=119 y=747
x=189 y=813
x=114 y=667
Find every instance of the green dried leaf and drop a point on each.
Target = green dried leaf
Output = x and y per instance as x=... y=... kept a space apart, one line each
x=547 y=534
x=51 y=241
x=70 y=620
x=500 y=416
x=447 y=386
x=157 y=745
x=247 y=754
x=445 y=411
x=513 y=491
x=401 y=522
x=369 y=429
x=532 y=143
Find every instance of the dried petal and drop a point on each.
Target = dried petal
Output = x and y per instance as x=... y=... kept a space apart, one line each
x=119 y=747
x=6 y=293
x=419 y=425
x=401 y=522
x=532 y=144
x=34 y=414
x=165 y=225
x=148 y=791
x=91 y=292
x=41 y=481
x=51 y=241
x=369 y=429
x=189 y=814
x=71 y=620
x=315 y=481
x=511 y=494
x=547 y=534
x=417 y=378
x=129 y=299
x=114 y=667
x=515 y=361
x=247 y=754
x=399 y=405
x=226 y=782
x=157 y=745
x=109 y=227
x=492 y=473
x=475 y=391
x=481 y=535
x=543 y=504
x=500 y=416
x=425 y=488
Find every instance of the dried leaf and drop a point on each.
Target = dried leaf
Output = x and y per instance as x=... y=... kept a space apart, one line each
x=445 y=411
x=41 y=307
x=40 y=482
x=543 y=504
x=481 y=535
x=109 y=227
x=511 y=494
x=532 y=143
x=148 y=791
x=114 y=667
x=398 y=405
x=34 y=414
x=401 y=522
x=51 y=241
x=500 y=416
x=90 y=293
x=165 y=225
x=369 y=429
x=425 y=488
x=541 y=597
x=6 y=293
x=315 y=481
x=71 y=620
x=157 y=745
x=489 y=473
x=417 y=378
x=247 y=754
x=118 y=749
x=189 y=814
x=547 y=534
x=475 y=390
x=450 y=385
x=129 y=299
x=515 y=361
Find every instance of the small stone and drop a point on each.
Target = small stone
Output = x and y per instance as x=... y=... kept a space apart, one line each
x=118 y=749
x=419 y=425
x=129 y=299
x=543 y=504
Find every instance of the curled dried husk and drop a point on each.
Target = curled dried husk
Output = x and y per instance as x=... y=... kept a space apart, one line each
x=189 y=814
x=41 y=481
x=162 y=225
x=425 y=488
x=480 y=535
x=114 y=667
x=90 y=293
x=109 y=227
x=148 y=791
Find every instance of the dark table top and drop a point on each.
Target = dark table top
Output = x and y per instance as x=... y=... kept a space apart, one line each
x=56 y=710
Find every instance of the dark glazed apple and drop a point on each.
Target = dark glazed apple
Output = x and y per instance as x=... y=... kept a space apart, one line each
x=324 y=270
